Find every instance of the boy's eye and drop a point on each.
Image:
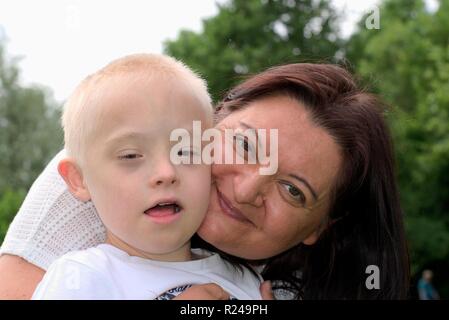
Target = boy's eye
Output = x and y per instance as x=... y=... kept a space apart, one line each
x=129 y=156
x=188 y=155
x=185 y=152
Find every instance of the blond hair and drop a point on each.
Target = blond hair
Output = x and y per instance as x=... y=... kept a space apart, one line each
x=78 y=118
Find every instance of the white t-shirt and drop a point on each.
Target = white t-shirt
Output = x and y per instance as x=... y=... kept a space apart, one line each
x=106 y=272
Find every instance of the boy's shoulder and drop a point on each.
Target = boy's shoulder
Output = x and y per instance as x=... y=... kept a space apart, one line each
x=95 y=258
x=79 y=274
x=242 y=282
x=244 y=275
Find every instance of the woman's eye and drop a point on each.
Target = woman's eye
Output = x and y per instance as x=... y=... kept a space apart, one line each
x=243 y=143
x=294 y=192
x=129 y=156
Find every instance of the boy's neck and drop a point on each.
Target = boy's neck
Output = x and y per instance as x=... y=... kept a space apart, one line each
x=182 y=254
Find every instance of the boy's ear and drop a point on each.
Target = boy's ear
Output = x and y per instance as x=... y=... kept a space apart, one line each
x=73 y=177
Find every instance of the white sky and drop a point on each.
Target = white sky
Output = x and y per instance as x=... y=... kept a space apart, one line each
x=61 y=41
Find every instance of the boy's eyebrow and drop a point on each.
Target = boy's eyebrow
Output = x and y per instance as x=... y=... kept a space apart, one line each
x=131 y=135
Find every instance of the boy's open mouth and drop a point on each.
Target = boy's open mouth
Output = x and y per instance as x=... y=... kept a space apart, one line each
x=163 y=209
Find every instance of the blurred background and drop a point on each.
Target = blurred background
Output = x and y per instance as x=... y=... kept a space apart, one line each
x=398 y=49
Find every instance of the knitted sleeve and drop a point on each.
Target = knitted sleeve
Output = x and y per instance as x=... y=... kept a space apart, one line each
x=51 y=221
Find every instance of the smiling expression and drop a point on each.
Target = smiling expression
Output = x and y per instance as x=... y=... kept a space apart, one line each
x=258 y=216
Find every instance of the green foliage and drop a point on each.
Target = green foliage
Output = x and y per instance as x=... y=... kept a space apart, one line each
x=30 y=135
x=30 y=132
x=426 y=233
x=10 y=202
x=247 y=36
x=407 y=60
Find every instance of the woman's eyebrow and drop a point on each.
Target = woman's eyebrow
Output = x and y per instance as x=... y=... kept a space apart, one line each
x=304 y=181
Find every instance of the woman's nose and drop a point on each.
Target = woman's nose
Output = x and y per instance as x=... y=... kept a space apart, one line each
x=164 y=174
x=248 y=189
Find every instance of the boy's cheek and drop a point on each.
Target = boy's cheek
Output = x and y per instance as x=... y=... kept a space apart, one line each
x=207 y=171
x=201 y=176
x=203 y=167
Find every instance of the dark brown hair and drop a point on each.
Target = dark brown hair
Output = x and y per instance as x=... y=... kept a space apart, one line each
x=368 y=221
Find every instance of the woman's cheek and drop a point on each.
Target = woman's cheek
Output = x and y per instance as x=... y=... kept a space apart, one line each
x=286 y=230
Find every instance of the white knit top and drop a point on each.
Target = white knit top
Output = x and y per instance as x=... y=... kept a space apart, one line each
x=52 y=222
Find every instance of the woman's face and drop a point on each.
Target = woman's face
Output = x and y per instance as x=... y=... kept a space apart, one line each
x=256 y=216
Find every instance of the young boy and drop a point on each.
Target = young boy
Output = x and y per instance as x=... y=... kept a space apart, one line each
x=117 y=127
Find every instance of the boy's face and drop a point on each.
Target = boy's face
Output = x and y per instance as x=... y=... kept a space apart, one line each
x=129 y=174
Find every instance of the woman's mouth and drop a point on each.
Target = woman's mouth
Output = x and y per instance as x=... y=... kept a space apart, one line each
x=229 y=210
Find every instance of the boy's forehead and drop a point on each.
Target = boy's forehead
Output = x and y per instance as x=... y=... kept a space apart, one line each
x=131 y=97
x=121 y=92
x=129 y=85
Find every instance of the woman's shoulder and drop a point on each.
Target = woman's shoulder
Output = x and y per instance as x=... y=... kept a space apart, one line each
x=51 y=221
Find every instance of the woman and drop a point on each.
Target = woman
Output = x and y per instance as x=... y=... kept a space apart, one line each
x=329 y=212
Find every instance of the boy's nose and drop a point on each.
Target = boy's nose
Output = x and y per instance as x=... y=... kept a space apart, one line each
x=165 y=174
x=162 y=181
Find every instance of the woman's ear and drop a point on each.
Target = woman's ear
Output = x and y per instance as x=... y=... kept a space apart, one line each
x=313 y=237
x=73 y=177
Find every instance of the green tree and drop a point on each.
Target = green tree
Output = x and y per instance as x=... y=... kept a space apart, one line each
x=407 y=61
x=247 y=36
x=10 y=202
x=30 y=132
x=30 y=135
